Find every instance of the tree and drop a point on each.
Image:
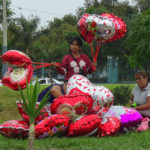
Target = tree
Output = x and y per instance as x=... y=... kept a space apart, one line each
x=109 y=3
x=142 y=5
x=70 y=19
x=138 y=40
x=22 y=32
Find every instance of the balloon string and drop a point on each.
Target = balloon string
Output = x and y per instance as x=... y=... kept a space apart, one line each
x=92 y=52
x=40 y=66
x=41 y=63
x=97 y=51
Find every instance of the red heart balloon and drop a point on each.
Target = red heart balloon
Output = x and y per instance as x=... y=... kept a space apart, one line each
x=16 y=58
x=85 y=125
x=15 y=129
x=19 y=70
x=109 y=126
x=72 y=105
x=52 y=125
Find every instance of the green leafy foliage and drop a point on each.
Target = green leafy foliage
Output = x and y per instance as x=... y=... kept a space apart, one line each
x=138 y=41
x=29 y=102
x=122 y=95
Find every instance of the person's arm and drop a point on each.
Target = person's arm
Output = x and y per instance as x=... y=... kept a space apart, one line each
x=63 y=67
x=145 y=106
x=56 y=91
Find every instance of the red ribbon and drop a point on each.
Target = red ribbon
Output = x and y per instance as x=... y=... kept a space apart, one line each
x=42 y=65
x=96 y=53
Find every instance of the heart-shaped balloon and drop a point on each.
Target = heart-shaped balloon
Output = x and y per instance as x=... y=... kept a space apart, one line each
x=72 y=105
x=16 y=58
x=102 y=97
x=95 y=26
x=109 y=126
x=15 y=129
x=84 y=126
x=104 y=28
x=120 y=26
x=130 y=119
x=101 y=27
x=51 y=126
x=19 y=69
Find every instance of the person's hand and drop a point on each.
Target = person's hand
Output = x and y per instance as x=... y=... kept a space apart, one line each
x=55 y=64
x=130 y=102
x=94 y=64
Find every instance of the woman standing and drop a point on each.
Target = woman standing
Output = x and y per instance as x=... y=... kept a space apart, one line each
x=75 y=62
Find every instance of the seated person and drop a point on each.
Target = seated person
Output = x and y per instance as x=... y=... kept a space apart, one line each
x=141 y=94
x=55 y=90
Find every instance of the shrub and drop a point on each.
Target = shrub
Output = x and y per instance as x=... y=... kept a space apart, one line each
x=122 y=95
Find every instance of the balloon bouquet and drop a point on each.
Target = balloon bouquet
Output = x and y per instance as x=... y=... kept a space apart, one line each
x=86 y=109
x=101 y=28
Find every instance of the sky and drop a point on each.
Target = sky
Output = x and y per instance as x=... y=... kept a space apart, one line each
x=46 y=10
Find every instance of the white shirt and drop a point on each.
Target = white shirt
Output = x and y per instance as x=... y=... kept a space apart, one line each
x=140 y=97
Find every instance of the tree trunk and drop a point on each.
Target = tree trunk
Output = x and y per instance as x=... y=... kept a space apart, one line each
x=31 y=137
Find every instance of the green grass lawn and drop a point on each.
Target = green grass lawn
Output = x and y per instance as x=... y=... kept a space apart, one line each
x=8 y=111
x=130 y=141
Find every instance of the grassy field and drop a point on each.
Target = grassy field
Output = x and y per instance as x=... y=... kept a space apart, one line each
x=130 y=141
x=8 y=111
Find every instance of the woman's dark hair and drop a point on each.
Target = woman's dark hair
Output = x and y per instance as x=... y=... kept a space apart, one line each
x=79 y=41
x=143 y=74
